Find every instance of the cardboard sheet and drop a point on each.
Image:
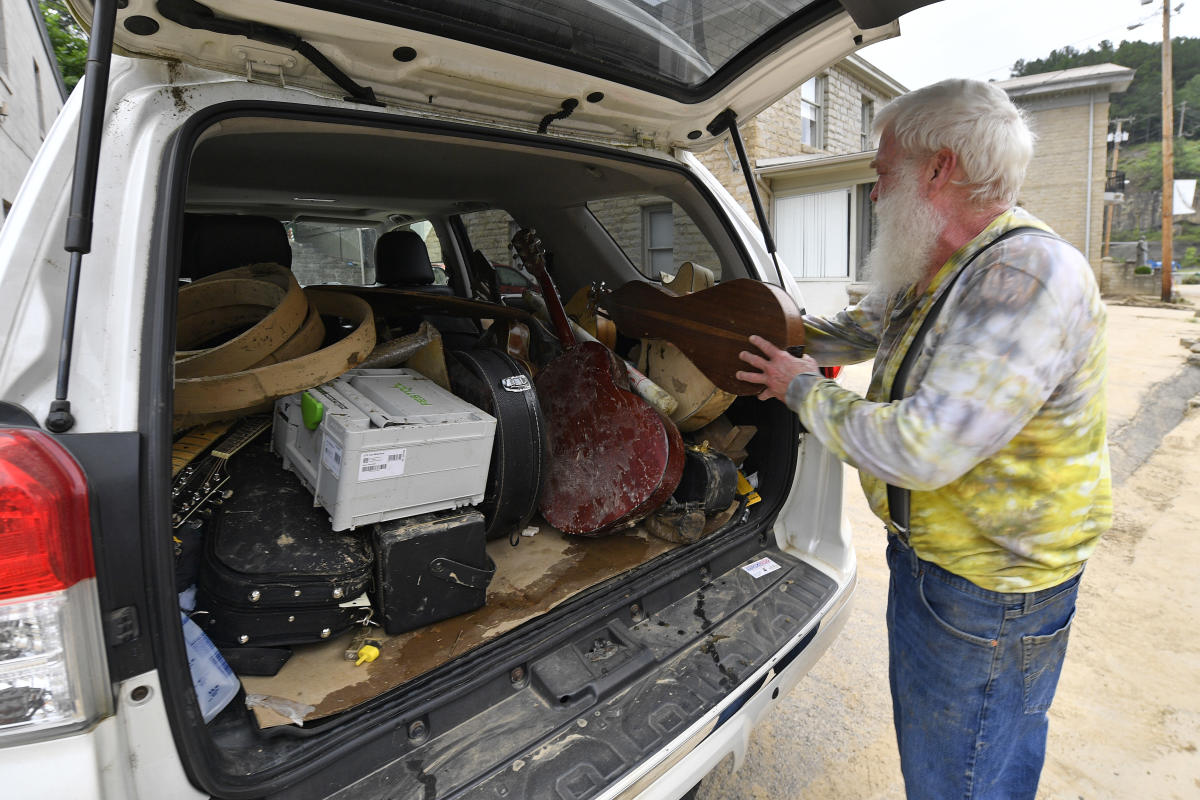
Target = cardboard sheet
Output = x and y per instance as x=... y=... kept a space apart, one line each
x=539 y=574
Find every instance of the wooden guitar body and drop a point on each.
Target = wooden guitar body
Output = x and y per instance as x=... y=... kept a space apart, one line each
x=710 y=326
x=614 y=459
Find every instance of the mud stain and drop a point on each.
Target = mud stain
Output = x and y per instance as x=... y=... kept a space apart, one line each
x=541 y=573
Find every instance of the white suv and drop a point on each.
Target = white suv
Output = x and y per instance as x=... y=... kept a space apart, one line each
x=335 y=122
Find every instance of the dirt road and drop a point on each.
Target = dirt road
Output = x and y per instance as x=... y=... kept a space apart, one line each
x=1126 y=720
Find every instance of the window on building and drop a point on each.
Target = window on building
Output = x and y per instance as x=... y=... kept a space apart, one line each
x=814 y=233
x=868 y=119
x=3 y=42
x=658 y=238
x=811 y=121
x=41 y=102
x=864 y=225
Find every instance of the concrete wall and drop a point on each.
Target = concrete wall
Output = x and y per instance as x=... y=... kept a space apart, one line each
x=1118 y=280
x=24 y=126
x=1068 y=167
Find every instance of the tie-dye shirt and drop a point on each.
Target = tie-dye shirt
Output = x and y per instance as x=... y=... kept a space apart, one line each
x=1000 y=434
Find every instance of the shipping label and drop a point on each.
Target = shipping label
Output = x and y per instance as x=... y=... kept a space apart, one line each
x=381 y=464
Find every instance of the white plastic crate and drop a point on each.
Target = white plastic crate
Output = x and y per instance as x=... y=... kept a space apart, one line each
x=380 y=444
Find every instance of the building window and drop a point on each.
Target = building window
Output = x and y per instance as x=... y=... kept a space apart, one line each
x=658 y=234
x=811 y=119
x=3 y=43
x=41 y=102
x=864 y=224
x=868 y=119
x=815 y=233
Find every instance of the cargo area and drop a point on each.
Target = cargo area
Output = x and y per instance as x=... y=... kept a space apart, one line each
x=382 y=455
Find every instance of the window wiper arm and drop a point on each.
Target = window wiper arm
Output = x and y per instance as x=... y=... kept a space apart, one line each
x=198 y=16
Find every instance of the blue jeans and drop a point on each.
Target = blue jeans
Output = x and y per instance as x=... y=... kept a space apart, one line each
x=972 y=674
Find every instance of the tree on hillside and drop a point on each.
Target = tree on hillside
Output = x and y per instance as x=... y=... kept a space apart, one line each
x=1143 y=99
x=68 y=39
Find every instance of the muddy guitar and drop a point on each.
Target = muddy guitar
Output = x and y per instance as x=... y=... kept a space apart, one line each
x=614 y=459
x=710 y=326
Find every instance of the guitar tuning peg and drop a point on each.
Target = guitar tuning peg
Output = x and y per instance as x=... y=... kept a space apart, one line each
x=226 y=494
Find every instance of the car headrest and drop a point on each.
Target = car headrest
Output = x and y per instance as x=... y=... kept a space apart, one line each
x=216 y=242
x=401 y=259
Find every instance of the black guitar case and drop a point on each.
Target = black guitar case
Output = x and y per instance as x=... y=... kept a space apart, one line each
x=497 y=383
x=273 y=571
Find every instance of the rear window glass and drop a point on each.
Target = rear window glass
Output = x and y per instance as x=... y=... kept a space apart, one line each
x=331 y=253
x=656 y=234
x=325 y=252
x=679 y=43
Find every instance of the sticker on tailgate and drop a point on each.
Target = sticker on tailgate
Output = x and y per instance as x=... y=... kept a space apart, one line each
x=764 y=566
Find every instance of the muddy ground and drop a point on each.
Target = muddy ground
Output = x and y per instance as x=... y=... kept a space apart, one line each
x=1126 y=720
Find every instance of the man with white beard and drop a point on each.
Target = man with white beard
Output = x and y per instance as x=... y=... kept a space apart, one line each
x=980 y=442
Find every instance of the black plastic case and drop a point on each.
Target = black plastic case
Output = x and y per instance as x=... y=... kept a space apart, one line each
x=429 y=568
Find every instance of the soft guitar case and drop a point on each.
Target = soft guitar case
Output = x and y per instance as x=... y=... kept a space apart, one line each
x=497 y=383
x=273 y=571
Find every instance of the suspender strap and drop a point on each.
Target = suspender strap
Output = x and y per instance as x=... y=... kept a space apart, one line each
x=899 y=500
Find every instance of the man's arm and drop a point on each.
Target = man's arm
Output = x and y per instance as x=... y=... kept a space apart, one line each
x=850 y=336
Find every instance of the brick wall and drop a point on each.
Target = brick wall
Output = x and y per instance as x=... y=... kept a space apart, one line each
x=775 y=132
x=1056 y=183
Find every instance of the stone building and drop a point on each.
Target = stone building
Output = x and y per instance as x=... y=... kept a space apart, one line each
x=31 y=93
x=1068 y=110
x=811 y=153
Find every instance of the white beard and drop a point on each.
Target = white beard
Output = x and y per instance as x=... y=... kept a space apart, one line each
x=907 y=233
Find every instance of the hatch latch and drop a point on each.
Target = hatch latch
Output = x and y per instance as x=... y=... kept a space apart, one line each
x=265 y=66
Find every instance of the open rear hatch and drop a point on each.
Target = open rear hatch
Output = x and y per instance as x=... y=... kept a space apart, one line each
x=620 y=70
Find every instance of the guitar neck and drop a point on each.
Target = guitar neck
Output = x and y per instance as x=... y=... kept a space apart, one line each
x=529 y=247
x=246 y=431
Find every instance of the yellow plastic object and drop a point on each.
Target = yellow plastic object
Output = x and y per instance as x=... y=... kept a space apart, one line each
x=367 y=653
x=744 y=487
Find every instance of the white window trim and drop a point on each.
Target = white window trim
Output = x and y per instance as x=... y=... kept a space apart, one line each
x=820 y=104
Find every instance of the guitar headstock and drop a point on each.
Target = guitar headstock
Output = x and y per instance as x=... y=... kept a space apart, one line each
x=530 y=250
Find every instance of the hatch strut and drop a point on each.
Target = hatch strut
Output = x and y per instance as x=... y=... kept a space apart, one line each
x=727 y=121
x=78 y=239
x=198 y=16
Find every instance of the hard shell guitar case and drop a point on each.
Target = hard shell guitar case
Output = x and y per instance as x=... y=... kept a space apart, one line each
x=500 y=385
x=274 y=572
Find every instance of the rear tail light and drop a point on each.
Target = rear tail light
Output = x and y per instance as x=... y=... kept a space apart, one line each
x=52 y=666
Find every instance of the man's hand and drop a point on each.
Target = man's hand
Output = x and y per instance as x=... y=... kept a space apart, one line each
x=775 y=370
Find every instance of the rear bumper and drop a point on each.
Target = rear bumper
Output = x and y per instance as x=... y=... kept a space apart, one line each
x=726 y=729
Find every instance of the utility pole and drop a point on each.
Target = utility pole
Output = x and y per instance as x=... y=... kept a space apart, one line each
x=1168 y=153
x=1116 y=155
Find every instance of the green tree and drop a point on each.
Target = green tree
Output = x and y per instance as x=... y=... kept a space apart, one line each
x=69 y=41
x=1143 y=100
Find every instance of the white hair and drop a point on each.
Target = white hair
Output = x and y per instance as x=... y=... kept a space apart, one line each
x=974 y=120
